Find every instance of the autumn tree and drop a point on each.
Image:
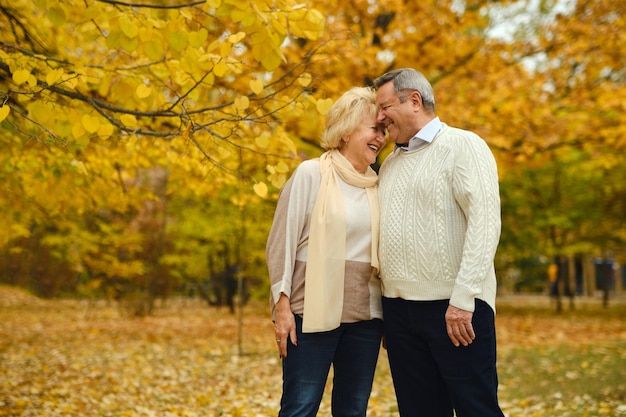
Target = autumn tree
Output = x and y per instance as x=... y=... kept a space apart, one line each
x=547 y=97
x=225 y=97
x=565 y=167
x=99 y=96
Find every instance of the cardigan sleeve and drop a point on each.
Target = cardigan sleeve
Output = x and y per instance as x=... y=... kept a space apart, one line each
x=290 y=228
x=476 y=190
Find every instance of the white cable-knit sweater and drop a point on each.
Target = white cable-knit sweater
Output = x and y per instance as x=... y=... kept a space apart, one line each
x=440 y=221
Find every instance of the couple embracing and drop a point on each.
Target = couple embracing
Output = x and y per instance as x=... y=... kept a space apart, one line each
x=406 y=256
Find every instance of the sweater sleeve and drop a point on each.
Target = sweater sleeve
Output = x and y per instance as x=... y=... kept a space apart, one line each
x=476 y=190
x=290 y=229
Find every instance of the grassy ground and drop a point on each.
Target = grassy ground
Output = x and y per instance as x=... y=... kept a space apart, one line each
x=71 y=358
x=571 y=364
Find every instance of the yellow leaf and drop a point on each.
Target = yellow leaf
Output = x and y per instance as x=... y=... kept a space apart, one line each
x=21 y=76
x=186 y=14
x=106 y=130
x=156 y=23
x=305 y=23
x=197 y=39
x=78 y=130
x=244 y=16
x=153 y=49
x=4 y=112
x=90 y=123
x=315 y=17
x=256 y=86
x=131 y=143
x=129 y=120
x=56 y=15
x=260 y=188
x=279 y=23
x=291 y=146
x=113 y=38
x=305 y=79
x=262 y=141
x=143 y=91
x=297 y=14
x=128 y=26
x=236 y=37
x=279 y=180
x=214 y=3
x=94 y=11
x=248 y=19
x=220 y=69
x=240 y=4
x=213 y=46
x=225 y=49
x=41 y=111
x=271 y=60
x=129 y=44
x=53 y=76
x=177 y=40
x=242 y=102
x=261 y=15
x=70 y=81
x=282 y=167
x=323 y=105
x=32 y=81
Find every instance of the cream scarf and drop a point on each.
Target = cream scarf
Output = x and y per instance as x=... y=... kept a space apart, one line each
x=326 y=259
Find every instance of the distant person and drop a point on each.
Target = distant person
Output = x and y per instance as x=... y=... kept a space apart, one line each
x=323 y=266
x=440 y=227
x=553 y=271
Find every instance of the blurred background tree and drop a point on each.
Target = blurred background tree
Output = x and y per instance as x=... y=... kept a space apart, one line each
x=144 y=144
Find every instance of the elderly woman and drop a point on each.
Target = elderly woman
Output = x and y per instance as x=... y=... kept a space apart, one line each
x=322 y=256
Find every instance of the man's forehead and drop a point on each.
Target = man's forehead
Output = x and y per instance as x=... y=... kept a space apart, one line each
x=384 y=94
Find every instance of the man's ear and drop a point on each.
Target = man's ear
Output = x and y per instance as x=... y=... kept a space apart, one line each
x=416 y=98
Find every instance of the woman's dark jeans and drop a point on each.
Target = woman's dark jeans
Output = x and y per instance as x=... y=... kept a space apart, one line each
x=352 y=349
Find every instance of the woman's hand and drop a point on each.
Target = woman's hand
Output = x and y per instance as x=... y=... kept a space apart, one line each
x=284 y=326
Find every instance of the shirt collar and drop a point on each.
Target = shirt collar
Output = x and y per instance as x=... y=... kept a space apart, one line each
x=424 y=135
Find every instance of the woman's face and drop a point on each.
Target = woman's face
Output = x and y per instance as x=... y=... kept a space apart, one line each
x=362 y=146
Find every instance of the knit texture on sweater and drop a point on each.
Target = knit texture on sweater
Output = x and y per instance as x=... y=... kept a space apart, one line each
x=440 y=221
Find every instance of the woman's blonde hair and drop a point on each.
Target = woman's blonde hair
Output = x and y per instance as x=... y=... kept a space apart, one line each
x=346 y=114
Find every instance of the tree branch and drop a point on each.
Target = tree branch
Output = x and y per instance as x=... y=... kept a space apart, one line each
x=16 y=21
x=151 y=6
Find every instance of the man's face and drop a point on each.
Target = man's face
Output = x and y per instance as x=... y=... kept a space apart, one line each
x=395 y=113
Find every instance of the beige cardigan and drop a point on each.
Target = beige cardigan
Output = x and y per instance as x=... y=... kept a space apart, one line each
x=286 y=249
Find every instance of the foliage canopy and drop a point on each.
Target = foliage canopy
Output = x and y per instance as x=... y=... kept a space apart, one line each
x=143 y=143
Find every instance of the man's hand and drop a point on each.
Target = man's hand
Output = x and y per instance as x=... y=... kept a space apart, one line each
x=459 y=326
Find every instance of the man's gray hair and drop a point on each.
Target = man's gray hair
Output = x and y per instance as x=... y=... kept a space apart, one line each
x=409 y=79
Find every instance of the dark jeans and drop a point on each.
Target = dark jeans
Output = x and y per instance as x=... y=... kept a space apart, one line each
x=352 y=349
x=431 y=376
